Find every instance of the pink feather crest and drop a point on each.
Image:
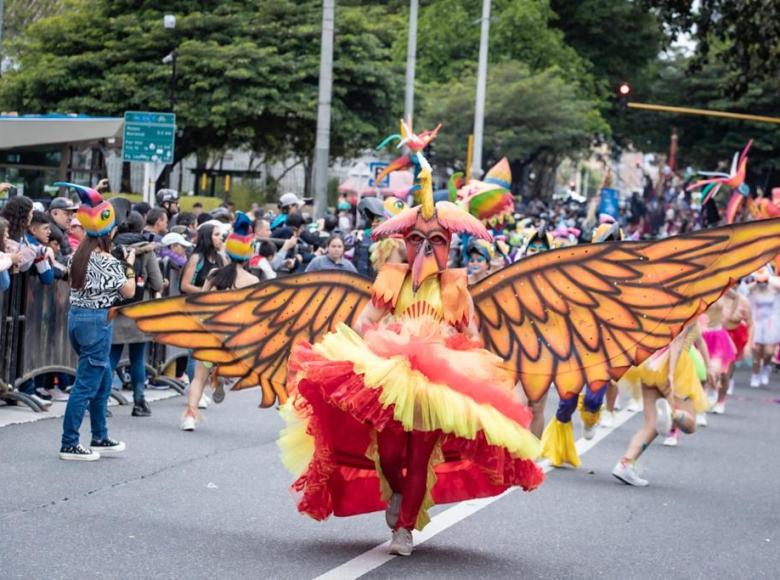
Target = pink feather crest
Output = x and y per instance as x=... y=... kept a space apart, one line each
x=459 y=221
x=396 y=225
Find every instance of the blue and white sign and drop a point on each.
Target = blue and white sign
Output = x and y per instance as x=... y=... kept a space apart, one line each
x=376 y=167
x=608 y=202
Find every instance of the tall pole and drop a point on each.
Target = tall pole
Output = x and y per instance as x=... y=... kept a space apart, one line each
x=411 y=58
x=479 y=109
x=2 y=9
x=322 y=145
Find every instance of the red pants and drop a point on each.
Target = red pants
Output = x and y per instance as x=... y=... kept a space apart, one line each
x=399 y=449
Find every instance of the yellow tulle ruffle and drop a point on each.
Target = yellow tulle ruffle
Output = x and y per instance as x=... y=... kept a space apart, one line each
x=421 y=404
x=655 y=373
x=589 y=418
x=558 y=444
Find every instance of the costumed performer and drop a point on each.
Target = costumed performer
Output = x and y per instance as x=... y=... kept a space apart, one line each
x=722 y=353
x=668 y=376
x=416 y=404
x=238 y=247
x=764 y=295
x=738 y=320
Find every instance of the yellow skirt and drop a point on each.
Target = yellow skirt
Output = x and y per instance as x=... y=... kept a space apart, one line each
x=654 y=373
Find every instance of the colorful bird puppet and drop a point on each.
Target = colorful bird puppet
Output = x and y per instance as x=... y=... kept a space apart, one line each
x=95 y=214
x=568 y=317
x=735 y=179
x=489 y=199
x=437 y=365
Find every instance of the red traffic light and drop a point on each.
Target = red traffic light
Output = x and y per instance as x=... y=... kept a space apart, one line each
x=624 y=89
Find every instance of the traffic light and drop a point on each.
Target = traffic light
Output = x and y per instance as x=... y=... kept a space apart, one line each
x=623 y=93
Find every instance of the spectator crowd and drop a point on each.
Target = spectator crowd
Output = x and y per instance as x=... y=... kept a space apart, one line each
x=169 y=244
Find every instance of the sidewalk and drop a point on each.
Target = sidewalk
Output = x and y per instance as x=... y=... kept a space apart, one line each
x=23 y=414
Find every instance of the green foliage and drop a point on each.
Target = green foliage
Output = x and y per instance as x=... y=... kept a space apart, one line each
x=247 y=71
x=526 y=113
x=449 y=30
x=704 y=141
x=745 y=35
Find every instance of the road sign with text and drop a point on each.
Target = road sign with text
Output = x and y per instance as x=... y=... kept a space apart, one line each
x=148 y=137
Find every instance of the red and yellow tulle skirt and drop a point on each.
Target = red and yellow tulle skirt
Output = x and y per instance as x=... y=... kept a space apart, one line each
x=419 y=374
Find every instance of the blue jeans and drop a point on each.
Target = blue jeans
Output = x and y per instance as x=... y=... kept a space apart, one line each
x=90 y=334
x=137 y=353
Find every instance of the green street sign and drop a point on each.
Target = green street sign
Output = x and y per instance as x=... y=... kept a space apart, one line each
x=148 y=137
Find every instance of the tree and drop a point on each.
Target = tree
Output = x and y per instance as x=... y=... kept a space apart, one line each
x=745 y=34
x=532 y=118
x=247 y=70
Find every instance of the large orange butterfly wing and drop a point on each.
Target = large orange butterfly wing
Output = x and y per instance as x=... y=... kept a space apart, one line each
x=249 y=332
x=585 y=314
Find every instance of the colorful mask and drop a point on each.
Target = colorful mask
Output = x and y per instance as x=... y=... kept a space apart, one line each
x=427 y=229
x=95 y=214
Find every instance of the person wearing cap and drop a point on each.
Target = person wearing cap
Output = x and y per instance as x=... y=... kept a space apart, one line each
x=233 y=275
x=289 y=203
x=61 y=212
x=480 y=254
x=174 y=247
x=98 y=281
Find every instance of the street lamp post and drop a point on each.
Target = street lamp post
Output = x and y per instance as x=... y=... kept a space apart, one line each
x=169 y=22
x=322 y=144
x=479 y=109
x=411 y=57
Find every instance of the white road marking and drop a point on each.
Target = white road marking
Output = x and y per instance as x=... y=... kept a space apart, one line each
x=378 y=555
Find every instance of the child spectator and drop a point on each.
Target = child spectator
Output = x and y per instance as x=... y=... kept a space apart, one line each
x=7 y=261
x=37 y=237
x=261 y=261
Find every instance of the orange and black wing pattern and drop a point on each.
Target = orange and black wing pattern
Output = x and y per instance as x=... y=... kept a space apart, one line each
x=248 y=333
x=585 y=314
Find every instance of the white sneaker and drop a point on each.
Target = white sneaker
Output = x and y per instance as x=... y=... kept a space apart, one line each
x=730 y=390
x=634 y=406
x=393 y=510
x=78 y=453
x=765 y=376
x=589 y=432
x=402 y=544
x=187 y=422
x=607 y=419
x=58 y=394
x=719 y=408
x=671 y=440
x=712 y=396
x=701 y=419
x=626 y=472
x=663 y=422
x=204 y=402
x=755 y=381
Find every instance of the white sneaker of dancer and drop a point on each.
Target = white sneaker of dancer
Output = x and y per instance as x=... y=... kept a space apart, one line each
x=607 y=419
x=663 y=421
x=719 y=408
x=701 y=419
x=402 y=543
x=755 y=381
x=765 y=375
x=626 y=472
x=730 y=390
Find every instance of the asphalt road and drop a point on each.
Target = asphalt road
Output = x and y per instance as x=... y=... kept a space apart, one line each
x=214 y=503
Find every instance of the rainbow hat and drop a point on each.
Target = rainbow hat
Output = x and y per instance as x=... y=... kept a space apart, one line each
x=239 y=243
x=95 y=214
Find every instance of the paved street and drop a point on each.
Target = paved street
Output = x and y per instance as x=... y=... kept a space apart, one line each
x=214 y=503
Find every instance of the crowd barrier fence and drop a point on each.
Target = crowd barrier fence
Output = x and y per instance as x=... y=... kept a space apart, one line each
x=34 y=339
